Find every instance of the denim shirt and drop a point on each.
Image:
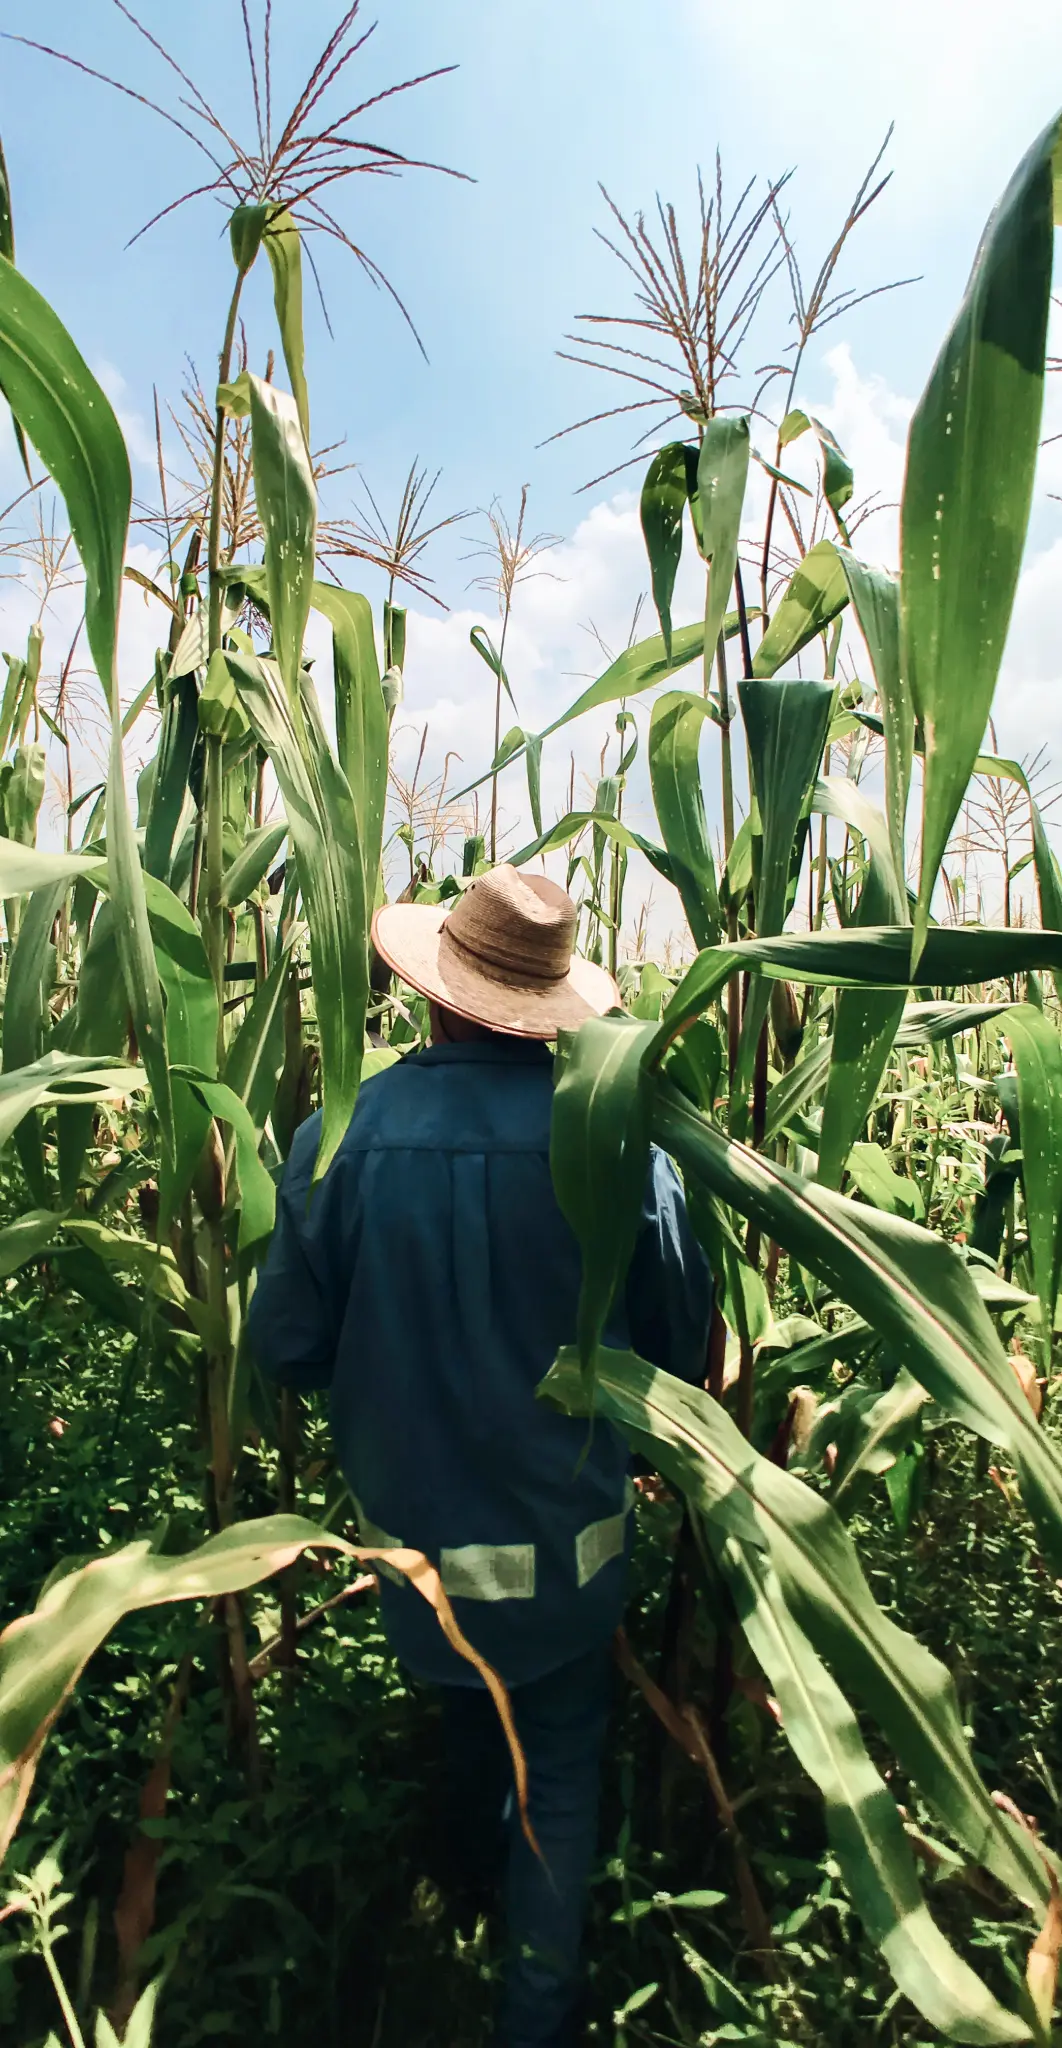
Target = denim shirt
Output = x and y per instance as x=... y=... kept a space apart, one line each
x=429 y=1282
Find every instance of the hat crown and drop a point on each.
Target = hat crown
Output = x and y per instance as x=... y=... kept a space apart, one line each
x=519 y=928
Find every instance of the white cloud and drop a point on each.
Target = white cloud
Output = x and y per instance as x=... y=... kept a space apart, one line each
x=967 y=87
x=139 y=437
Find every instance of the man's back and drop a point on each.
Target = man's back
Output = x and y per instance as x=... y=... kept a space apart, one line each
x=430 y=1283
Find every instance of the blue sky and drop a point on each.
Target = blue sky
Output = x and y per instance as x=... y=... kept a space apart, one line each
x=547 y=100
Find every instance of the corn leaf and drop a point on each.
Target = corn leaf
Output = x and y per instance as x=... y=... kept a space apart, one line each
x=911 y=1286
x=636 y=669
x=884 y=1427
x=875 y=957
x=722 y=474
x=257 y=1193
x=26 y=1238
x=663 y=507
x=816 y=593
x=63 y=1077
x=324 y=832
x=747 y=1498
x=286 y=498
x=361 y=709
x=256 y=1055
x=865 y=1830
x=29 y=985
x=785 y=724
x=865 y=1020
x=1037 y=1051
x=576 y=822
x=971 y=454
x=283 y=246
x=600 y=1138
x=43 y=1654
x=7 y=248
x=169 y=790
x=675 y=730
x=875 y=595
x=361 y=719
x=71 y=423
x=253 y=862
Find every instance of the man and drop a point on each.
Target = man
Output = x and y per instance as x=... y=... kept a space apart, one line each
x=430 y=1282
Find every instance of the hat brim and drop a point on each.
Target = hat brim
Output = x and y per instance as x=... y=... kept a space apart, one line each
x=412 y=938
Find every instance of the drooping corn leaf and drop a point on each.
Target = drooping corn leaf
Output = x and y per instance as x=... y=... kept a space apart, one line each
x=674 y=772
x=865 y=1020
x=257 y=1193
x=7 y=248
x=324 y=832
x=480 y=640
x=361 y=718
x=256 y=1055
x=971 y=454
x=283 y=246
x=29 y=985
x=722 y=474
x=877 y=957
x=884 y=1188
x=577 y=822
x=928 y=1023
x=26 y=1238
x=361 y=708
x=1037 y=1051
x=746 y=1498
x=837 y=476
x=155 y=1265
x=247 y=225
x=663 y=507
x=884 y=1426
x=911 y=1286
x=816 y=593
x=875 y=594
x=71 y=423
x=169 y=790
x=865 y=1829
x=785 y=724
x=599 y=1138
x=286 y=499
x=63 y=1077
x=636 y=669
x=43 y=1654
x=253 y=862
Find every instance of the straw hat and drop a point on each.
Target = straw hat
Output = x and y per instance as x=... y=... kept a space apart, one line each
x=502 y=956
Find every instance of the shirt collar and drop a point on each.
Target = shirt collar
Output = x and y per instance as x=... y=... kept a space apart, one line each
x=491 y=1052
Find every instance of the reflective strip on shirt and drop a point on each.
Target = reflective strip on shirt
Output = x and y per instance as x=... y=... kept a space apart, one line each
x=489 y=1571
x=600 y=1542
x=506 y=1571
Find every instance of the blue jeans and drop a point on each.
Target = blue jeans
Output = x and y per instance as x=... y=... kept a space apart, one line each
x=561 y=1721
